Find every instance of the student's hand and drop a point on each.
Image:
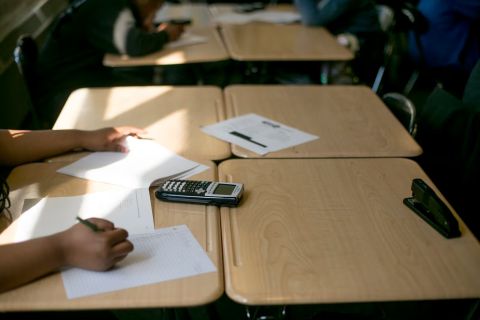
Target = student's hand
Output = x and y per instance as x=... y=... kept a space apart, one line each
x=174 y=31
x=84 y=248
x=108 y=139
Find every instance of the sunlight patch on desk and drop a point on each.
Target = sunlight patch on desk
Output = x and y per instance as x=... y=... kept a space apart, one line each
x=123 y=99
x=176 y=57
x=177 y=122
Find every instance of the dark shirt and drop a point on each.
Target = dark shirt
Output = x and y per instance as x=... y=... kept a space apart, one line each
x=339 y=16
x=449 y=132
x=453 y=38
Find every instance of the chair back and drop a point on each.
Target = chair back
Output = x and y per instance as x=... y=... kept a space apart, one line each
x=403 y=109
x=386 y=17
x=25 y=56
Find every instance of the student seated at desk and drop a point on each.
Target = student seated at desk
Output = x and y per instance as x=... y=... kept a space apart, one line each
x=78 y=246
x=72 y=56
x=356 y=25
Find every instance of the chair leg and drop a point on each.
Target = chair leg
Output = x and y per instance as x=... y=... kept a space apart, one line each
x=411 y=82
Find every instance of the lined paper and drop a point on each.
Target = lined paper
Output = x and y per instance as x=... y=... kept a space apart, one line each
x=166 y=254
x=127 y=209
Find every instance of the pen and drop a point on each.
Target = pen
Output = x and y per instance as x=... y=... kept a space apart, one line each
x=89 y=225
x=141 y=136
x=245 y=137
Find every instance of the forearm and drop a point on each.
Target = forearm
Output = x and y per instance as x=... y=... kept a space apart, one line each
x=140 y=43
x=26 y=261
x=19 y=147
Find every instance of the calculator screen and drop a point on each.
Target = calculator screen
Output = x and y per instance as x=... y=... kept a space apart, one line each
x=224 y=189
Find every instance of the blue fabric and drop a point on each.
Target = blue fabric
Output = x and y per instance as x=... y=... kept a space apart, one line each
x=453 y=38
x=339 y=16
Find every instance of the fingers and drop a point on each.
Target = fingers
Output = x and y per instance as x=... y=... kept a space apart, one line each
x=122 y=249
x=102 y=223
x=116 y=236
x=132 y=131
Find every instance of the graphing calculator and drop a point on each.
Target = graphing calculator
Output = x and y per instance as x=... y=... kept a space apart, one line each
x=201 y=192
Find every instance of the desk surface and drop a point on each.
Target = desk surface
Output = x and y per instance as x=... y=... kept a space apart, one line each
x=171 y=115
x=336 y=230
x=350 y=121
x=211 y=51
x=275 y=42
x=40 y=179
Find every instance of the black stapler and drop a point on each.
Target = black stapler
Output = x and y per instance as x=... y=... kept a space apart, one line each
x=432 y=209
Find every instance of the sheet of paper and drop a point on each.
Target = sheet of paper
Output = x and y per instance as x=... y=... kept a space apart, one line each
x=165 y=254
x=258 y=134
x=187 y=39
x=269 y=16
x=127 y=209
x=147 y=163
x=276 y=16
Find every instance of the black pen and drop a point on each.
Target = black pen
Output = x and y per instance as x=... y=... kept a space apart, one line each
x=245 y=137
x=89 y=225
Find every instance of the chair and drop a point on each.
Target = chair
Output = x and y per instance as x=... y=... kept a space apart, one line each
x=403 y=109
x=386 y=18
x=397 y=23
x=25 y=56
x=410 y=19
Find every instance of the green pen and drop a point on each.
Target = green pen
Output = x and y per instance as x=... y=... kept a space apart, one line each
x=90 y=225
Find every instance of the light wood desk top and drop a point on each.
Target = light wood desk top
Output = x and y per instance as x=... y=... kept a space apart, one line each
x=350 y=121
x=211 y=51
x=40 y=179
x=336 y=230
x=171 y=115
x=275 y=42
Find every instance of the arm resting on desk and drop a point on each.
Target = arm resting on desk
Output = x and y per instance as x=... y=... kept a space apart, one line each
x=78 y=246
x=22 y=146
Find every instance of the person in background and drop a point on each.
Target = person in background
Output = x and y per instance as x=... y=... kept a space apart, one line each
x=356 y=25
x=88 y=29
x=450 y=46
x=77 y=246
x=449 y=133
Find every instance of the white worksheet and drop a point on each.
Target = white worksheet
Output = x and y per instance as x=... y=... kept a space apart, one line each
x=258 y=134
x=147 y=163
x=127 y=209
x=269 y=16
x=165 y=254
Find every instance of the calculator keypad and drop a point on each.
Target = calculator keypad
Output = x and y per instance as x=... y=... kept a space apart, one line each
x=186 y=186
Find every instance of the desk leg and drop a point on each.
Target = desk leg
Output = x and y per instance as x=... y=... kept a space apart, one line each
x=325 y=73
x=266 y=313
x=157 y=75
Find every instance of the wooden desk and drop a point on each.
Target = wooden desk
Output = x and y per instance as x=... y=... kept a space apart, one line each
x=351 y=121
x=211 y=51
x=336 y=230
x=275 y=42
x=40 y=179
x=171 y=115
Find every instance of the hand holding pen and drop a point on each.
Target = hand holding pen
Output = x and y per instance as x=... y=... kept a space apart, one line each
x=94 y=244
